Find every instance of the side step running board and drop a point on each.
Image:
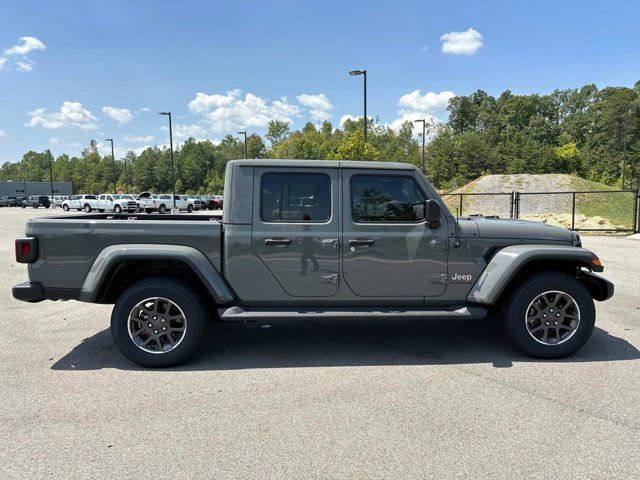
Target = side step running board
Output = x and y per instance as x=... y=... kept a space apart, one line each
x=240 y=313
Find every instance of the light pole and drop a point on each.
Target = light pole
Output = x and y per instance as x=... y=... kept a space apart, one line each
x=424 y=135
x=51 y=175
x=173 y=173
x=355 y=73
x=246 y=150
x=126 y=178
x=113 y=164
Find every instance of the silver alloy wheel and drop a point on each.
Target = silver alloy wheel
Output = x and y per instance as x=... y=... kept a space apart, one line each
x=157 y=325
x=552 y=318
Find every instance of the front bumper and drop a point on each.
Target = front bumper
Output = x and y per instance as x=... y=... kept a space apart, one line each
x=28 y=292
x=599 y=287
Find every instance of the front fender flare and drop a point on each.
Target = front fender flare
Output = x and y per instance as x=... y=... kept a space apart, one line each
x=508 y=261
x=195 y=259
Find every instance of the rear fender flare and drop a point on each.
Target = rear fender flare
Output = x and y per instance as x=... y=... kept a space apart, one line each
x=195 y=259
x=505 y=264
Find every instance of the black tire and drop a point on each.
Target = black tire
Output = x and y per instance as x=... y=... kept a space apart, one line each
x=515 y=312
x=23 y=206
x=178 y=292
x=117 y=209
x=87 y=208
x=65 y=207
x=190 y=208
x=162 y=209
x=148 y=210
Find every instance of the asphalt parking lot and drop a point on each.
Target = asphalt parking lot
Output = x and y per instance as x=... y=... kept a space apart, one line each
x=318 y=399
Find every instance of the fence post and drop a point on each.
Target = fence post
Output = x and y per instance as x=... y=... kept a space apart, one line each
x=573 y=211
x=636 y=218
x=517 y=205
x=460 y=209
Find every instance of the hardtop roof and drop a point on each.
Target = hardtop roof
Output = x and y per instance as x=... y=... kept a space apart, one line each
x=294 y=163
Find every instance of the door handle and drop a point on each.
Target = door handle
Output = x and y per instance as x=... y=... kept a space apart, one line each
x=277 y=241
x=362 y=241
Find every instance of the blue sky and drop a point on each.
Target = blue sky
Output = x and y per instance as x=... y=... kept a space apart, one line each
x=73 y=71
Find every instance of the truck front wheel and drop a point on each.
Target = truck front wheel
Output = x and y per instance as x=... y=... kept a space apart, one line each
x=549 y=315
x=158 y=322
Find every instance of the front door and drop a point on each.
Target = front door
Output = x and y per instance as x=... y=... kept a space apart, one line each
x=386 y=252
x=296 y=226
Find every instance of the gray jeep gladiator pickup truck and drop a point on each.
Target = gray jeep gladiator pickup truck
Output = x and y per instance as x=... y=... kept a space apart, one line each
x=311 y=238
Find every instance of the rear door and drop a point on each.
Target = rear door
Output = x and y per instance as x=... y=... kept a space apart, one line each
x=296 y=228
x=385 y=251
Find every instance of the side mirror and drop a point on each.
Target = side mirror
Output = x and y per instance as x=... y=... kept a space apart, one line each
x=432 y=213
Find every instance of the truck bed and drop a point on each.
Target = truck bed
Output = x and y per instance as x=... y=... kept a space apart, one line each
x=71 y=244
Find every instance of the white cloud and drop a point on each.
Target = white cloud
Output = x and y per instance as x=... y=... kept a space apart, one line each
x=183 y=132
x=424 y=48
x=232 y=111
x=2 y=134
x=120 y=115
x=319 y=106
x=430 y=102
x=135 y=139
x=3 y=62
x=26 y=45
x=54 y=141
x=145 y=109
x=415 y=106
x=25 y=66
x=70 y=115
x=461 y=43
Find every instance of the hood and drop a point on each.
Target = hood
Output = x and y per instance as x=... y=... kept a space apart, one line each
x=520 y=229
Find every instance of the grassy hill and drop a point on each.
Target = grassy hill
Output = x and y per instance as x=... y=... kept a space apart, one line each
x=551 y=182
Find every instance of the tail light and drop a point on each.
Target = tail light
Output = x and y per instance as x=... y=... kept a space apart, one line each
x=26 y=250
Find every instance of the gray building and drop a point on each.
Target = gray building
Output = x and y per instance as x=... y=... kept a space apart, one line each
x=35 y=188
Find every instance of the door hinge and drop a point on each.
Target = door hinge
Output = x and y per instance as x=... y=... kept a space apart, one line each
x=331 y=278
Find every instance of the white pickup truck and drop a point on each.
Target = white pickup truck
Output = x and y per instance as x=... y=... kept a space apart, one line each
x=163 y=203
x=81 y=202
x=117 y=203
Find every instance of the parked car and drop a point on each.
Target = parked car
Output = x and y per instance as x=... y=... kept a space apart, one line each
x=4 y=202
x=36 y=201
x=197 y=203
x=163 y=203
x=342 y=251
x=117 y=203
x=14 y=201
x=211 y=202
x=58 y=199
x=87 y=203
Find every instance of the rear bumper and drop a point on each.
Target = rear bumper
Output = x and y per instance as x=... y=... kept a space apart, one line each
x=28 y=292
x=33 y=292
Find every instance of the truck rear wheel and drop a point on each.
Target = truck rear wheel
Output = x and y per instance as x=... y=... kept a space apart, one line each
x=87 y=208
x=549 y=315
x=162 y=209
x=158 y=322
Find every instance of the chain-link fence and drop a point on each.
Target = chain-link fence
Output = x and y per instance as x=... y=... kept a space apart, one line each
x=608 y=210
